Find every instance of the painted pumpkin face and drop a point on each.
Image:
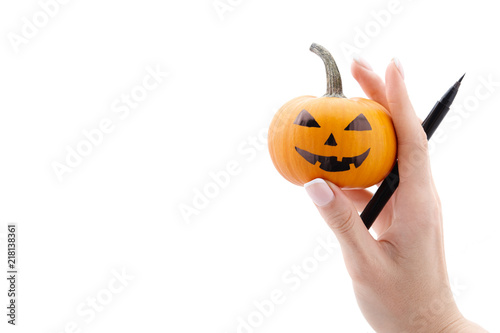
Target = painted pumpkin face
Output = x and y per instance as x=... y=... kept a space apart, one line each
x=350 y=142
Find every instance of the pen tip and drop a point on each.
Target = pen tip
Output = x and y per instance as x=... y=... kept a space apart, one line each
x=461 y=78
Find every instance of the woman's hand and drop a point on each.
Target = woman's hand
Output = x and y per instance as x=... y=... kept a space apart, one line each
x=400 y=278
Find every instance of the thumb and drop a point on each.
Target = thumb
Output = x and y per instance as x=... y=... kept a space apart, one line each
x=358 y=246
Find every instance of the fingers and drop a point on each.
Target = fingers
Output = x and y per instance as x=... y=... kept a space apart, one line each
x=371 y=83
x=412 y=140
x=358 y=246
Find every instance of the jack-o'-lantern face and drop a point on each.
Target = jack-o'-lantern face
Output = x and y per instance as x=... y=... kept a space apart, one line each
x=350 y=142
x=333 y=163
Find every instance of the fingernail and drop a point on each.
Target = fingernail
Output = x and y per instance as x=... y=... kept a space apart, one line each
x=399 y=67
x=362 y=62
x=320 y=193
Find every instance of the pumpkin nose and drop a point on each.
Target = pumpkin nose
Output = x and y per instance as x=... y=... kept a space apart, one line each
x=330 y=141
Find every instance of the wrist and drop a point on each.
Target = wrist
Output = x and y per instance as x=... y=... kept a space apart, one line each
x=448 y=320
x=461 y=325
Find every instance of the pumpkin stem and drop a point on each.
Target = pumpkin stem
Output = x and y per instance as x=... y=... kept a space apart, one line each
x=333 y=79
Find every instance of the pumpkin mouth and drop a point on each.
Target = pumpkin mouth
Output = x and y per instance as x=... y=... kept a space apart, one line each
x=331 y=163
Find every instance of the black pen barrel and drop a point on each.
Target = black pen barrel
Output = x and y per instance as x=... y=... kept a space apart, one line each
x=440 y=110
x=380 y=198
x=431 y=123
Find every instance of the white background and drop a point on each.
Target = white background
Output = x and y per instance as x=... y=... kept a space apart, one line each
x=119 y=209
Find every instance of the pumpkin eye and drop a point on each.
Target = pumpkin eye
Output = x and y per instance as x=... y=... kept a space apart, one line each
x=360 y=123
x=305 y=119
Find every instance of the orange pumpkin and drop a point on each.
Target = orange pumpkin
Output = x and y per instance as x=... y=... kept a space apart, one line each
x=350 y=142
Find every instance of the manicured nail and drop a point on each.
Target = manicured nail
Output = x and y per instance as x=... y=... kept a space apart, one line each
x=399 y=67
x=320 y=193
x=362 y=62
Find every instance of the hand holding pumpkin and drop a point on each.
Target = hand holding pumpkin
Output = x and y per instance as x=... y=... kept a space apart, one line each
x=400 y=279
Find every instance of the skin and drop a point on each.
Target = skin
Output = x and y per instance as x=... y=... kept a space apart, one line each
x=400 y=278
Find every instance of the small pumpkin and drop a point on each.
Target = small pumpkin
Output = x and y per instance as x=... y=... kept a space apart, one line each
x=350 y=142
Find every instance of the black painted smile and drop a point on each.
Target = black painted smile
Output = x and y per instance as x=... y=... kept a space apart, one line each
x=330 y=163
